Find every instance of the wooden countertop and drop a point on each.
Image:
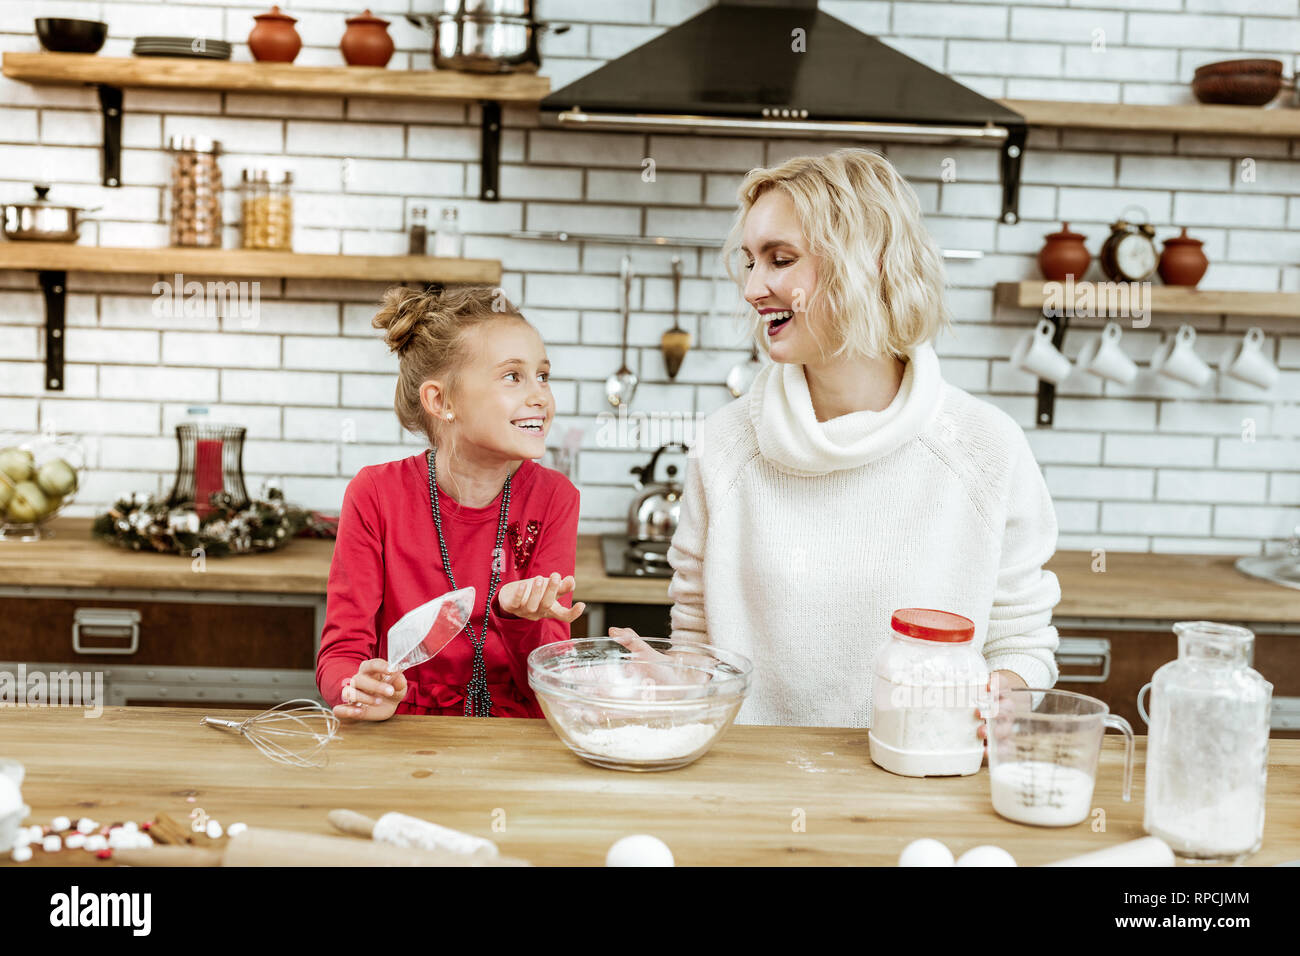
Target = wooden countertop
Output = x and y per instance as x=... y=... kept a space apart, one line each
x=1134 y=585
x=734 y=806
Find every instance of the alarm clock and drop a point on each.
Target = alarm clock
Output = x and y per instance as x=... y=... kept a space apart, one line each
x=1129 y=252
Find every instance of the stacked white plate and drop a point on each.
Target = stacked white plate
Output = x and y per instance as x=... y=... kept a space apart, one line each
x=199 y=47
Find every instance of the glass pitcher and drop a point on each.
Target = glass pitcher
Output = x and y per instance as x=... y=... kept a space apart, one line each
x=1207 y=749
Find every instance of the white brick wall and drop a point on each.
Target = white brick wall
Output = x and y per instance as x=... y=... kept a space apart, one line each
x=1155 y=466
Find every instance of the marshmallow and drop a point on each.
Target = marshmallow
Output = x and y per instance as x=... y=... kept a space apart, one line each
x=21 y=854
x=52 y=843
x=75 y=841
x=95 y=842
x=235 y=829
x=214 y=830
x=59 y=824
x=86 y=825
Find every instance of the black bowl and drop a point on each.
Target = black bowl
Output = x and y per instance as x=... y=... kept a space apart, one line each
x=71 y=36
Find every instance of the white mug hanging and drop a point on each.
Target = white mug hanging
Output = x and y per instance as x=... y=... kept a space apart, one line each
x=1036 y=354
x=1104 y=358
x=1177 y=358
x=1246 y=361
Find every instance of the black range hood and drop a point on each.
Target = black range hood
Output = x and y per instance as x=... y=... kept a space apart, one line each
x=785 y=68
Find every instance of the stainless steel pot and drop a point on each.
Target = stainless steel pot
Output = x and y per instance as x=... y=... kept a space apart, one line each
x=654 y=514
x=485 y=43
x=42 y=220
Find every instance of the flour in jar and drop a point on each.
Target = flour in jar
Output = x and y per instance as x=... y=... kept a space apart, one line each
x=635 y=742
x=921 y=719
x=1044 y=794
x=1229 y=824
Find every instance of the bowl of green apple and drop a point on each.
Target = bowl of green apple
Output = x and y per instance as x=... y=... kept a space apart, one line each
x=39 y=477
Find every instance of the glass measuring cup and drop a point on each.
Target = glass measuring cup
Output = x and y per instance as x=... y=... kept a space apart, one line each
x=1043 y=750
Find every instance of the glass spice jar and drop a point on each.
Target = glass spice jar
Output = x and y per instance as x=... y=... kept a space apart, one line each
x=266 y=210
x=195 y=192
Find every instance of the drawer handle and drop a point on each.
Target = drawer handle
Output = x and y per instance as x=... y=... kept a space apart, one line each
x=105 y=622
x=1084 y=652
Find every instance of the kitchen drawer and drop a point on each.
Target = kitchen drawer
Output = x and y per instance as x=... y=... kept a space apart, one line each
x=1136 y=654
x=169 y=633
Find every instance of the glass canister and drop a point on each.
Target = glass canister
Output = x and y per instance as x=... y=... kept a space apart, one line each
x=929 y=683
x=448 y=241
x=196 y=192
x=1207 y=746
x=266 y=210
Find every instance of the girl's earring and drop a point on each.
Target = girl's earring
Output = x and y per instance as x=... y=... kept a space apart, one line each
x=450 y=416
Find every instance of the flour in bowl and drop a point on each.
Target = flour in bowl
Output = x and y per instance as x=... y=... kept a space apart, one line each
x=635 y=742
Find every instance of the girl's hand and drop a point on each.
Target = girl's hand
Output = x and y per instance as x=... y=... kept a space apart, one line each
x=1000 y=682
x=373 y=693
x=534 y=599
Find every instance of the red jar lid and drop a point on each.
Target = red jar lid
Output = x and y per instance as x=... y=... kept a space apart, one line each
x=931 y=625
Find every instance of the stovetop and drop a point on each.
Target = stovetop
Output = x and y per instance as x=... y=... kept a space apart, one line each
x=641 y=560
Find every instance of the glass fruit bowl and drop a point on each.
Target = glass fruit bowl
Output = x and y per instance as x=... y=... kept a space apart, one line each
x=654 y=710
x=39 y=477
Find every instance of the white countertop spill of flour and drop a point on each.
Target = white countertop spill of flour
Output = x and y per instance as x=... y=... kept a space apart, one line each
x=641 y=742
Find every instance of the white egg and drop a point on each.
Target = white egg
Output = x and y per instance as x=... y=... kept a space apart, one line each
x=639 y=850
x=986 y=856
x=925 y=853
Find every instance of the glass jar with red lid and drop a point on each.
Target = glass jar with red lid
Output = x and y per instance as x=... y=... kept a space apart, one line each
x=929 y=682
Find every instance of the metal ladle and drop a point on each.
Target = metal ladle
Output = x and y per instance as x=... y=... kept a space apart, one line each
x=621 y=386
x=742 y=374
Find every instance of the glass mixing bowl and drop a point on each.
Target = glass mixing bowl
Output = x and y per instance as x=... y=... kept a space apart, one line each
x=39 y=478
x=653 y=710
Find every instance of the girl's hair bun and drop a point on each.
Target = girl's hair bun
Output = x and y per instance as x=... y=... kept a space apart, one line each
x=400 y=313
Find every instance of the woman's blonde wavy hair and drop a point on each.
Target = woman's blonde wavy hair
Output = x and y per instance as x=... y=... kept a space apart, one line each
x=880 y=277
x=428 y=331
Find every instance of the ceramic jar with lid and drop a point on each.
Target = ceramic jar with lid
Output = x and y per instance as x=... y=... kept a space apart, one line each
x=1064 y=254
x=366 y=42
x=1183 y=261
x=274 y=39
x=195 y=192
x=929 y=682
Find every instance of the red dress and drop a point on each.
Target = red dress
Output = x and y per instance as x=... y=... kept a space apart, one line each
x=386 y=562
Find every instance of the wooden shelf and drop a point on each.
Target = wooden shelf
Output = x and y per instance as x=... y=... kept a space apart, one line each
x=1032 y=295
x=190 y=74
x=245 y=263
x=1180 y=118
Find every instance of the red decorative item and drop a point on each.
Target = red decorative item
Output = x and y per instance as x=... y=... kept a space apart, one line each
x=1064 y=254
x=523 y=548
x=104 y=854
x=209 y=459
x=1183 y=261
x=366 y=42
x=274 y=40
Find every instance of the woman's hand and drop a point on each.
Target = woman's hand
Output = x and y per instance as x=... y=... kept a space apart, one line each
x=1000 y=683
x=651 y=665
x=373 y=693
x=534 y=599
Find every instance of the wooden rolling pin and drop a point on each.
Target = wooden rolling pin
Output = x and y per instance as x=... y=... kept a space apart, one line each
x=259 y=846
x=398 y=829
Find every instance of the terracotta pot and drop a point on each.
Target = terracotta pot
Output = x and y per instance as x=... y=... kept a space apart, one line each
x=1183 y=261
x=366 y=42
x=1064 y=254
x=274 y=40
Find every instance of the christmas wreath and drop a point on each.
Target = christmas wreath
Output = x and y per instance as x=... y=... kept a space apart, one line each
x=142 y=522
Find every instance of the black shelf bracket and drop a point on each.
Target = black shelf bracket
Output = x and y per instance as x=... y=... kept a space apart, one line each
x=1013 y=151
x=1046 y=390
x=55 y=286
x=110 y=157
x=489 y=181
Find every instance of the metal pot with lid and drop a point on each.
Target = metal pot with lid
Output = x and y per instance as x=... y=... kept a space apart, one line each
x=43 y=220
x=654 y=513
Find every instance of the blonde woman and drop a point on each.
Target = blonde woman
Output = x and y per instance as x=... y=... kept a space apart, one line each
x=852 y=480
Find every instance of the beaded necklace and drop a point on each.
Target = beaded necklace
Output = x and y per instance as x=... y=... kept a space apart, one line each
x=478 y=700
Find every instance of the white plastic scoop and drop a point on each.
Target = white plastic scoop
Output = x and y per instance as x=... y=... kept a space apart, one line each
x=422 y=632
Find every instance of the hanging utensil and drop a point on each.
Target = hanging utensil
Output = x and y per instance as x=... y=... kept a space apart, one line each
x=676 y=341
x=742 y=374
x=621 y=386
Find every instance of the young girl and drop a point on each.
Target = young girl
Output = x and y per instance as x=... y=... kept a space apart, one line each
x=852 y=480
x=472 y=509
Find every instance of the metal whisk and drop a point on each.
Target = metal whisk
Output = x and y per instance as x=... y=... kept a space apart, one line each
x=295 y=732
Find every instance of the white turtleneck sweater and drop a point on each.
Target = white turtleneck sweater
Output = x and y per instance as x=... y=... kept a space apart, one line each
x=798 y=539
